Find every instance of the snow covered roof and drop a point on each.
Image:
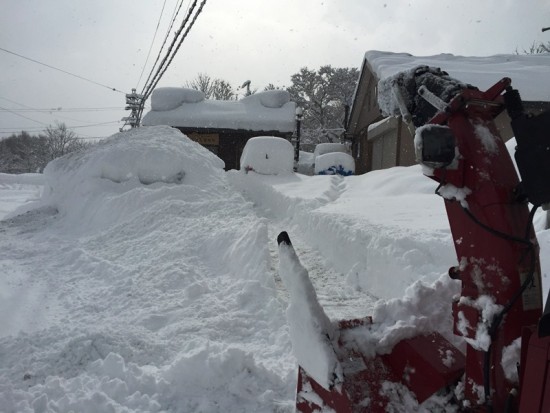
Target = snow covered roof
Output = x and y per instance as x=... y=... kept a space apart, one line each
x=179 y=107
x=530 y=74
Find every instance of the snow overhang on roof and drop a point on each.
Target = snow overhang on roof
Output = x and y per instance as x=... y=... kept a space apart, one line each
x=530 y=74
x=187 y=108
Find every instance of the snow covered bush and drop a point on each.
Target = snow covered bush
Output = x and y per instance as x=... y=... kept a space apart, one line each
x=334 y=163
x=268 y=155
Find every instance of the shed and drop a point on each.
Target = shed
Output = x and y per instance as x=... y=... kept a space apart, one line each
x=223 y=126
x=379 y=143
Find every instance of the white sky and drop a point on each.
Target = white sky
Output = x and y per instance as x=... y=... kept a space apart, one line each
x=263 y=41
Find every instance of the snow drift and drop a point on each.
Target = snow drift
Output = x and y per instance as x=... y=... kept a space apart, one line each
x=141 y=295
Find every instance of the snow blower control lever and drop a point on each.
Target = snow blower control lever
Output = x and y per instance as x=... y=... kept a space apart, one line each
x=500 y=303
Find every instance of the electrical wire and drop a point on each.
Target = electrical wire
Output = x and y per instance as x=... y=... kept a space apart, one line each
x=162 y=69
x=174 y=17
x=149 y=86
x=61 y=70
x=22 y=116
x=60 y=110
x=181 y=40
x=52 y=112
x=152 y=42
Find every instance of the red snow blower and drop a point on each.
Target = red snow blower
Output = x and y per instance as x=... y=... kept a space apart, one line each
x=459 y=146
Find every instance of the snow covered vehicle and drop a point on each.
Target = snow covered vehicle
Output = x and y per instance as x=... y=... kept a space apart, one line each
x=268 y=155
x=500 y=304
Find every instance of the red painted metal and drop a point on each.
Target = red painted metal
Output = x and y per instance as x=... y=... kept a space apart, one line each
x=424 y=364
x=491 y=267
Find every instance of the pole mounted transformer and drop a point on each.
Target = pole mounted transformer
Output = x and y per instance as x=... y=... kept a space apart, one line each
x=133 y=103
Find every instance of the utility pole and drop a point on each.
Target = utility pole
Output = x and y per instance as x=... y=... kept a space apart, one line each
x=133 y=103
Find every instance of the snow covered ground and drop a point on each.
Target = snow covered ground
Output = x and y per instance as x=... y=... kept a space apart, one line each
x=141 y=277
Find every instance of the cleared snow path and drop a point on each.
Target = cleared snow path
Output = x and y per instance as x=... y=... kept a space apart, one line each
x=339 y=299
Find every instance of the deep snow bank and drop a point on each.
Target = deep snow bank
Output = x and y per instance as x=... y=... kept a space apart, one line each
x=124 y=169
x=149 y=293
x=384 y=230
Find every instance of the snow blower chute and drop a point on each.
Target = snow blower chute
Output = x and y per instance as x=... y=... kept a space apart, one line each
x=459 y=146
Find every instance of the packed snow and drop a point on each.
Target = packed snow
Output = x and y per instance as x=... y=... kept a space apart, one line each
x=138 y=276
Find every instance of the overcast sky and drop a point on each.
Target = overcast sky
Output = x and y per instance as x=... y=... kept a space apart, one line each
x=264 y=41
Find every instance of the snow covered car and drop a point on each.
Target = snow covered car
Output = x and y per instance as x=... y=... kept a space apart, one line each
x=268 y=155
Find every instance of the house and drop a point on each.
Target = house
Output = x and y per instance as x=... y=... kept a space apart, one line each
x=379 y=142
x=223 y=127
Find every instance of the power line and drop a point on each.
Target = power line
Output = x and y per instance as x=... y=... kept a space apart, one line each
x=68 y=127
x=149 y=87
x=60 y=109
x=169 y=55
x=22 y=116
x=51 y=111
x=37 y=129
x=152 y=42
x=56 y=109
x=61 y=70
x=174 y=16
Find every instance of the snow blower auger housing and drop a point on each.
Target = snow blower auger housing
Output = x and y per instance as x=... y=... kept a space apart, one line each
x=458 y=144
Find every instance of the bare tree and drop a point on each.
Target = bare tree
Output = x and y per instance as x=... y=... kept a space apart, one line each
x=217 y=89
x=60 y=141
x=536 y=48
x=271 y=86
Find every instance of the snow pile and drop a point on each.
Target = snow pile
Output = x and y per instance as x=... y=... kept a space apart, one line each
x=168 y=98
x=334 y=163
x=270 y=99
x=121 y=170
x=268 y=155
x=141 y=297
x=261 y=112
x=424 y=308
